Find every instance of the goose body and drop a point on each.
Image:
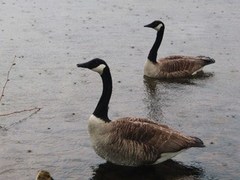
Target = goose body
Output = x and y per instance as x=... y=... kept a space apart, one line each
x=172 y=66
x=131 y=141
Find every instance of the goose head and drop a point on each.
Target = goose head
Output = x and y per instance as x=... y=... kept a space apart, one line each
x=43 y=175
x=157 y=25
x=97 y=65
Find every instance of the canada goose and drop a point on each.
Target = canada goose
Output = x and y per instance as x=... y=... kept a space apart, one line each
x=172 y=66
x=131 y=141
x=43 y=175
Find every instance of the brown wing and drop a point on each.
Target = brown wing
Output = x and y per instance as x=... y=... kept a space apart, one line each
x=181 y=65
x=136 y=141
x=147 y=133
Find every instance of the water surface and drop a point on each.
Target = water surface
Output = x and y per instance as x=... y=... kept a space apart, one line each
x=50 y=38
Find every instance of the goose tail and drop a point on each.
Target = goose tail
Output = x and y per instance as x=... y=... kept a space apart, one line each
x=197 y=142
x=207 y=60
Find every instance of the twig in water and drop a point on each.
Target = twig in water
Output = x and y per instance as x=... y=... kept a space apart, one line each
x=24 y=110
x=8 y=74
x=35 y=110
x=24 y=119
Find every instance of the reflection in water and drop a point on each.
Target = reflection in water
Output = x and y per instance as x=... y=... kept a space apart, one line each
x=157 y=92
x=158 y=95
x=203 y=75
x=151 y=83
x=167 y=170
x=154 y=102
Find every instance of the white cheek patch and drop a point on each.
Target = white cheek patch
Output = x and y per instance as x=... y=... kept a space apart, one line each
x=158 y=27
x=99 y=69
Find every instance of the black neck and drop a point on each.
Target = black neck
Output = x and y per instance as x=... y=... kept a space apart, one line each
x=101 y=110
x=152 y=56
